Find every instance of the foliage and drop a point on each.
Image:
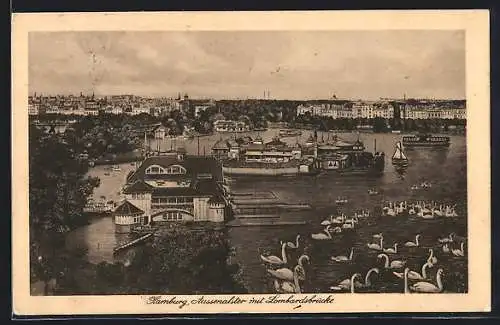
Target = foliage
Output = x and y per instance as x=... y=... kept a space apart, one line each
x=58 y=191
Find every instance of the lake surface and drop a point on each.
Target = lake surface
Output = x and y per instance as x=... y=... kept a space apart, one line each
x=445 y=168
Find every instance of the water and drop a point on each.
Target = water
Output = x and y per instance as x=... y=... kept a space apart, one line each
x=446 y=169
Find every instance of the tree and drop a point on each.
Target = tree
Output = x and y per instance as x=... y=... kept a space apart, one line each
x=58 y=191
x=184 y=262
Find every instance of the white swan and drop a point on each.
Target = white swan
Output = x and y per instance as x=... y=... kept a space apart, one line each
x=446 y=248
x=412 y=275
x=432 y=259
x=391 y=250
x=289 y=287
x=427 y=215
x=348 y=225
x=459 y=252
x=377 y=247
x=377 y=236
x=427 y=287
x=326 y=222
x=323 y=235
x=348 y=284
x=343 y=258
x=275 y=259
x=287 y=274
x=415 y=243
x=396 y=264
x=448 y=239
x=296 y=245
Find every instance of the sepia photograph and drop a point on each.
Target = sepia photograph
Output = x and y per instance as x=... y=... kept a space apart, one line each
x=266 y=164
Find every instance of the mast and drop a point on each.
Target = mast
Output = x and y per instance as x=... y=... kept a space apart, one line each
x=198 y=138
x=375 y=145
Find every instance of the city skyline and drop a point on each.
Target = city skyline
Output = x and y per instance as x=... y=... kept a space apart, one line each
x=229 y=65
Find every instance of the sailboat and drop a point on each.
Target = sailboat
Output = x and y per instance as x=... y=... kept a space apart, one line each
x=399 y=158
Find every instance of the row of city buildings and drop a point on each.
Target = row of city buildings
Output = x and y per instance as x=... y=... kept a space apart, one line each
x=121 y=104
x=386 y=110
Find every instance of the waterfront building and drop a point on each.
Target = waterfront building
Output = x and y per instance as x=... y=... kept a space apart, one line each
x=127 y=216
x=230 y=126
x=221 y=149
x=175 y=187
x=275 y=151
x=159 y=132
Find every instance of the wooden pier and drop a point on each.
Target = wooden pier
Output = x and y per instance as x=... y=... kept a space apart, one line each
x=132 y=243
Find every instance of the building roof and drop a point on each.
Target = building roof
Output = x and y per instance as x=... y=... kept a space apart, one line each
x=138 y=187
x=221 y=144
x=194 y=165
x=127 y=208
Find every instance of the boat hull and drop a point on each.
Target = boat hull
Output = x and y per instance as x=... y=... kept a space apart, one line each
x=425 y=144
x=255 y=171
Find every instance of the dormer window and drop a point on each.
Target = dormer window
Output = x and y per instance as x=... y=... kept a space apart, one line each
x=155 y=170
x=171 y=170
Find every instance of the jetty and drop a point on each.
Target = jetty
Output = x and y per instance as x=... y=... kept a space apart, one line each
x=248 y=222
x=133 y=242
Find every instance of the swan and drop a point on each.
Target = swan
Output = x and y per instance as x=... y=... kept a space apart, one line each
x=289 y=287
x=428 y=215
x=432 y=259
x=412 y=211
x=459 y=252
x=287 y=274
x=367 y=277
x=348 y=284
x=348 y=225
x=296 y=245
x=323 y=235
x=396 y=264
x=377 y=247
x=338 y=220
x=343 y=258
x=391 y=250
x=427 y=287
x=448 y=239
x=415 y=243
x=446 y=249
x=412 y=275
x=336 y=230
x=377 y=236
x=275 y=259
x=325 y=222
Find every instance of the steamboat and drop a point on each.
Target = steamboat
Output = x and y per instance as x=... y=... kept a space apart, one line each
x=425 y=140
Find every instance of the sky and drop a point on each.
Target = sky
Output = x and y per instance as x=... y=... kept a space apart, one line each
x=245 y=64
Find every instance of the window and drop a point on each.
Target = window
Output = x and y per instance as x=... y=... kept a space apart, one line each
x=175 y=170
x=154 y=170
x=172 y=170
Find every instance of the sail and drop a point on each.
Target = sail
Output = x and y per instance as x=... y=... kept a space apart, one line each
x=398 y=153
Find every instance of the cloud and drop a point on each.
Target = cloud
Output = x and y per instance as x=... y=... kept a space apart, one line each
x=360 y=64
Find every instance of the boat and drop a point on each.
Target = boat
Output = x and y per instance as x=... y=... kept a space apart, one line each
x=348 y=158
x=425 y=140
x=399 y=158
x=116 y=168
x=284 y=133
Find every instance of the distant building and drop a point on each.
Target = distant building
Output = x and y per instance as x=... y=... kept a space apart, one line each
x=230 y=126
x=200 y=108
